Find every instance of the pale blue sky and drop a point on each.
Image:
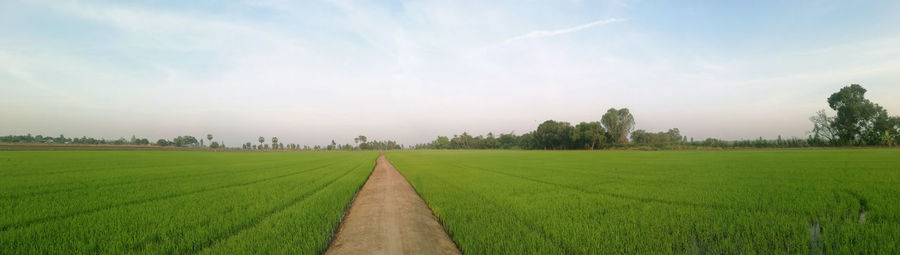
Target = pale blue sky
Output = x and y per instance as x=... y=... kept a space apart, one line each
x=312 y=71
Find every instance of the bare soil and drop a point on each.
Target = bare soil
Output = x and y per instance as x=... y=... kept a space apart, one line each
x=389 y=217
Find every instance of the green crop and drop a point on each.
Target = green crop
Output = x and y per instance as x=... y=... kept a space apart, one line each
x=555 y=202
x=175 y=202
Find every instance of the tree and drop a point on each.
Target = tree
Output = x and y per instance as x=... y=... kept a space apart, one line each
x=185 y=141
x=162 y=142
x=441 y=143
x=508 y=141
x=261 y=141
x=858 y=120
x=360 y=139
x=896 y=135
x=641 y=137
x=274 y=143
x=209 y=137
x=618 y=123
x=526 y=141
x=660 y=139
x=465 y=140
x=214 y=145
x=589 y=135
x=674 y=136
x=823 y=127
x=553 y=135
x=490 y=142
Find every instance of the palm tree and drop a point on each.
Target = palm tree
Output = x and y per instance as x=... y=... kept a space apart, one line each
x=274 y=142
x=261 y=141
x=209 y=137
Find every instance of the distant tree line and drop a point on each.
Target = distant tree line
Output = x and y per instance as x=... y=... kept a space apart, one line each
x=180 y=141
x=361 y=143
x=62 y=139
x=859 y=122
x=611 y=131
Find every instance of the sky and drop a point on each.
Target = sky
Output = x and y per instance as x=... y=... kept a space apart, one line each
x=313 y=71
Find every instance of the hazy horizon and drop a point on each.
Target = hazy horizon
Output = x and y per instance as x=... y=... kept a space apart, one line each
x=410 y=71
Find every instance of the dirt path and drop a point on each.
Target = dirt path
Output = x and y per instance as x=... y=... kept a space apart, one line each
x=388 y=217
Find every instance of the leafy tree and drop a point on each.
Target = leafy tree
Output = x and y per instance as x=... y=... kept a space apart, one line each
x=553 y=135
x=641 y=137
x=209 y=137
x=185 y=141
x=162 y=142
x=214 y=145
x=491 y=142
x=463 y=141
x=675 y=136
x=360 y=139
x=618 y=124
x=441 y=143
x=589 y=135
x=526 y=141
x=858 y=120
x=508 y=141
x=669 y=138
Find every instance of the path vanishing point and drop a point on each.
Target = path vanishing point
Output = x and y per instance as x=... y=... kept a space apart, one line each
x=389 y=217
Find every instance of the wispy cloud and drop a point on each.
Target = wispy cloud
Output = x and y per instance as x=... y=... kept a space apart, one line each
x=548 y=33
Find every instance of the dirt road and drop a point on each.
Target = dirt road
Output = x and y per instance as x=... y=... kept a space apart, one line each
x=388 y=217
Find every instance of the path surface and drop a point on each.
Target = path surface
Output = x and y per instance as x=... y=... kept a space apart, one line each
x=388 y=217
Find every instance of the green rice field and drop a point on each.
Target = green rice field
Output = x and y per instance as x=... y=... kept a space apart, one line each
x=491 y=202
x=175 y=202
x=662 y=202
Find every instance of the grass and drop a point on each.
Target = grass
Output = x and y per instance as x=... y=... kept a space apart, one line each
x=659 y=202
x=174 y=201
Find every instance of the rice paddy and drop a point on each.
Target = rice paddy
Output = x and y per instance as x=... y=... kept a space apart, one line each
x=558 y=202
x=178 y=202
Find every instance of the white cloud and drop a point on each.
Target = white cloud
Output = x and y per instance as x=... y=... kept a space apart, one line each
x=548 y=33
